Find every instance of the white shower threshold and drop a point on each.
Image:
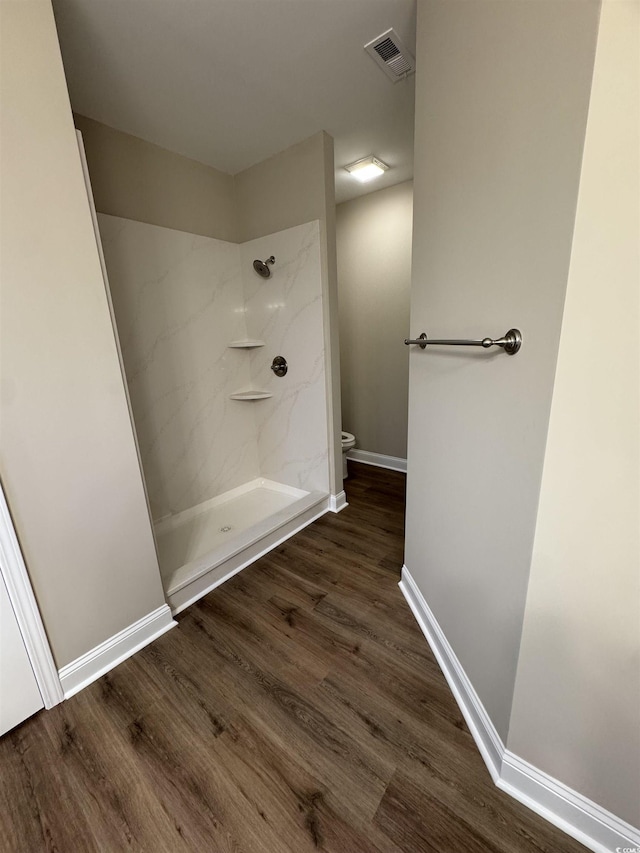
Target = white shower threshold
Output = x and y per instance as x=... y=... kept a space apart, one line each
x=202 y=547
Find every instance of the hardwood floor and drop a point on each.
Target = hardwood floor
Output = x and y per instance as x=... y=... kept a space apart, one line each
x=296 y=708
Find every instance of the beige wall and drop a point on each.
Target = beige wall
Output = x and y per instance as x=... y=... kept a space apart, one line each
x=576 y=711
x=331 y=318
x=290 y=188
x=67 y=454
x=284 y=190
x=374 y=276
x=137 y=180
x=497 y=165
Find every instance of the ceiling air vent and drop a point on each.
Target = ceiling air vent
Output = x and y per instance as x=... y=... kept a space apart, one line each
x=391 y=54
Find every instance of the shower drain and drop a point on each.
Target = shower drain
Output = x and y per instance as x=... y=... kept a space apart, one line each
x=225 y=529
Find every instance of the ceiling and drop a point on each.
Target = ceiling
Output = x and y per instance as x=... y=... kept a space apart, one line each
x=231 y=82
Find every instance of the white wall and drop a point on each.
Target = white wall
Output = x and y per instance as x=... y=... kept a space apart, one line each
x=286 y=311
x=498 y=151
x=293 y=187
x=576 y=710
x=179 y=300
x=373 y=236
x=67 y=453
x=133 y=179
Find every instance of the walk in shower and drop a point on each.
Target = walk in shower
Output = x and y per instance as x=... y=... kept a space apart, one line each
x=234 y=454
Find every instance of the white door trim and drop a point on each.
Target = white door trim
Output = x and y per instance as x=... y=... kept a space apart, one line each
x=25 y=607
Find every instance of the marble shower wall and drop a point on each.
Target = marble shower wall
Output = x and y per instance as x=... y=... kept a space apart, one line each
x=286 y=312
x=178 y=301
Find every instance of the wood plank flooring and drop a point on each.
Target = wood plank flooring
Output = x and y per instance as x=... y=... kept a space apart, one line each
x=296 y=708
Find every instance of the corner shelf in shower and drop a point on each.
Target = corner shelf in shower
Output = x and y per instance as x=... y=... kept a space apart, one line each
x=252 y=394
x=246 y=344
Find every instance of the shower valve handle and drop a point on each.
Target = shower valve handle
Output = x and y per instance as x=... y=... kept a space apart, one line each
x=279 y=365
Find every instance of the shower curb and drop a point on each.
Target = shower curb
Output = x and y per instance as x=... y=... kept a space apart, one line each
x=190 y=592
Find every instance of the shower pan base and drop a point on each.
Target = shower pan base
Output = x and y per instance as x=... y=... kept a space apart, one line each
x=204 y=546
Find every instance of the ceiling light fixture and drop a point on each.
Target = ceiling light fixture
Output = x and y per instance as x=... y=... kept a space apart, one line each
x=367 y=169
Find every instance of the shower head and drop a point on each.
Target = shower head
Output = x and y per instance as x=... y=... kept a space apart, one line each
x=262 y=267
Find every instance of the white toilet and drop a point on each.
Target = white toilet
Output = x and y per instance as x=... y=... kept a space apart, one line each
x=348 y=441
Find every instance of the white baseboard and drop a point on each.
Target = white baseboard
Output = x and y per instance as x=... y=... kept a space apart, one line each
x=338 y=502
x=567 y=809
x=484 y=733
x=581 y=818
x=393 y=463
x=84 y=670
